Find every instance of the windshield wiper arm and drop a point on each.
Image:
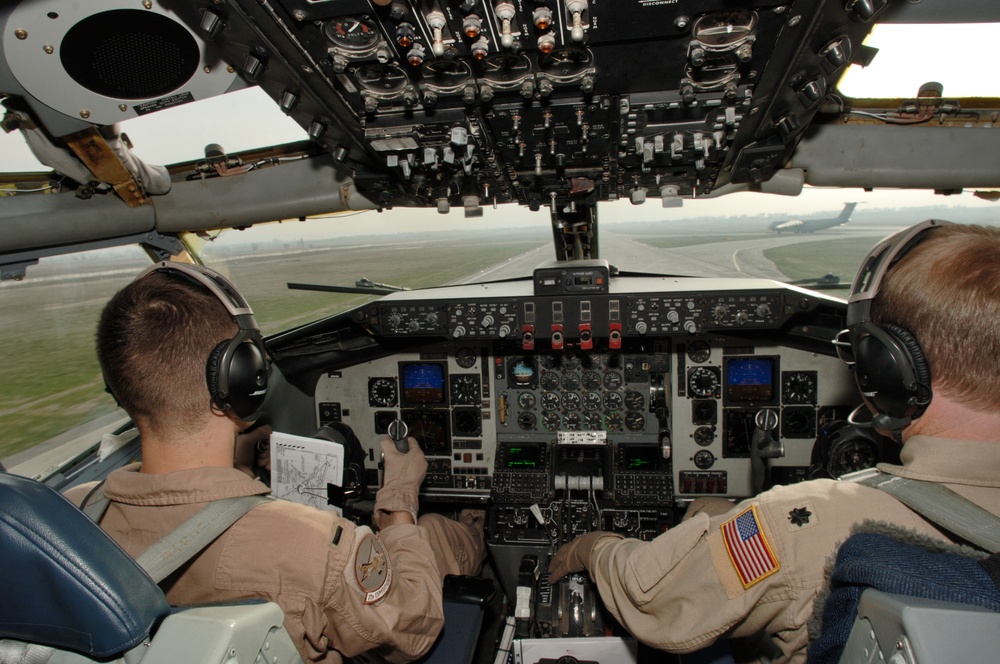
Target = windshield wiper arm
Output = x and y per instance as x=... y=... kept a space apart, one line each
x=362 y=285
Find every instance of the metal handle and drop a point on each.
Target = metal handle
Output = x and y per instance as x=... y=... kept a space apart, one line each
x=398 y=431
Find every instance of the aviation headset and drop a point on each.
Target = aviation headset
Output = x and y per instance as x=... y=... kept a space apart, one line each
x=889 y=366
x=236 y=371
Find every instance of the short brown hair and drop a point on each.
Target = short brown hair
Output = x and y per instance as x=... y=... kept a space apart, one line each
x=153 y=342
x=945 y=292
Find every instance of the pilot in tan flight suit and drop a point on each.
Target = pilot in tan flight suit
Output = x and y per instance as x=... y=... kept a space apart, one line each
x=345 y=589
x=756 y=570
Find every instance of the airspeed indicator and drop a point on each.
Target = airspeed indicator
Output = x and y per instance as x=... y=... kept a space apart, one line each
x=382 y=392
x=703 y=382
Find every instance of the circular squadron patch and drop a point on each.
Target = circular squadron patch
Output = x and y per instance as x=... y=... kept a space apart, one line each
x=372 y=571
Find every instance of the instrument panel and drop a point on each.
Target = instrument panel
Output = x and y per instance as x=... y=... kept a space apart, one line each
x=641 y=398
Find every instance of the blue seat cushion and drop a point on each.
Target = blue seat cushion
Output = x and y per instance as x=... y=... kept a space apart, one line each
x=67 y=584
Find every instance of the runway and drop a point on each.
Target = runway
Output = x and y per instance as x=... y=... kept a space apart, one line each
x=739 y=258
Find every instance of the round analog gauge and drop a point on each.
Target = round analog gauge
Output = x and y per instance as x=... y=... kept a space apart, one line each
x=566 y=64
x=594 y=420
x=354 y=35
x=445 y=75
x=704 y=436
x=526 y=421
x=613 y=401
x=467 y=421
x=571 y=422
x=612 y=380
x=548 y=361
x=550 y=421
x=465 y=389
x=703 y=382
x=613 y=422
x=570 y=361
x=571 y=380
x=634 y=400
x=550 y=400
x=799 y=387
x=592 y=401
x=591 y=380
x=526 y=400
x=505 y=70
x=798 y=422
x=549 y=380
x=571 y=401
x=704 y=459
x=381 y=79
x=465 y=357
x=635 y=421
x=699 y=351
x=382 y=392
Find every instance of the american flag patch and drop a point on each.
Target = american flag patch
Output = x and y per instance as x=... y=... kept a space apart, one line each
x=748 y=548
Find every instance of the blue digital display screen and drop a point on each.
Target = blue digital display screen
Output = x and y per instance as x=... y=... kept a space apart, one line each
x=749 y=379
x=423 y=383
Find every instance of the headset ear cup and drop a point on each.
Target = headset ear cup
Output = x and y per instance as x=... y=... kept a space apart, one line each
x=212 y=375
x=921 y=370
x=891 y=370
x=247 y=384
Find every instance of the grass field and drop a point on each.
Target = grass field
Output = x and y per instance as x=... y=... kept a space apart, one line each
x=815 y=259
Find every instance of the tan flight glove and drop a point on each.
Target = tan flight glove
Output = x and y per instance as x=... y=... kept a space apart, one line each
x=401 y=479
x=575 y=556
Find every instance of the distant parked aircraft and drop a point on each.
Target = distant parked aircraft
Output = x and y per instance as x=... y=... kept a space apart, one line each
x=813 y=225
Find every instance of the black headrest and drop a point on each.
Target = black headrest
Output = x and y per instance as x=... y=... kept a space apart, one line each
x=68 y=584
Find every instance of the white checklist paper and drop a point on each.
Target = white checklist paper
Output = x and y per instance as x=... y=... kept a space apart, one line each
x=302 y=469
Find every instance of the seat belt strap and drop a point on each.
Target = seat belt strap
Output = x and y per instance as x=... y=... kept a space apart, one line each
x=942 y=507
x=188 y=539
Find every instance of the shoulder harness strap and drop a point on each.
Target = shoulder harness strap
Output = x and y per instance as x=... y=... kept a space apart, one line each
x=941 y=506
x=188 y=539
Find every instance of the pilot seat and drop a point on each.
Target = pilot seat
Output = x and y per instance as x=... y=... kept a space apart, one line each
x=74 y=595
x=906 y=602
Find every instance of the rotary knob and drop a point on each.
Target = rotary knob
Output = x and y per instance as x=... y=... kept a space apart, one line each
x=487 y=321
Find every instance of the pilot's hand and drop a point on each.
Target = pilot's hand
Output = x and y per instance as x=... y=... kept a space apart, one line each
x=575 y=556
x=253 y=449
x=401 y=479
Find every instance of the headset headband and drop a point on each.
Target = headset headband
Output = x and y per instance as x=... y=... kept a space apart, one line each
x=210 y=279
x=882 y=257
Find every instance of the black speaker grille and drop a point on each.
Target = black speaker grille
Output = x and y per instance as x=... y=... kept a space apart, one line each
x=130 y=54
